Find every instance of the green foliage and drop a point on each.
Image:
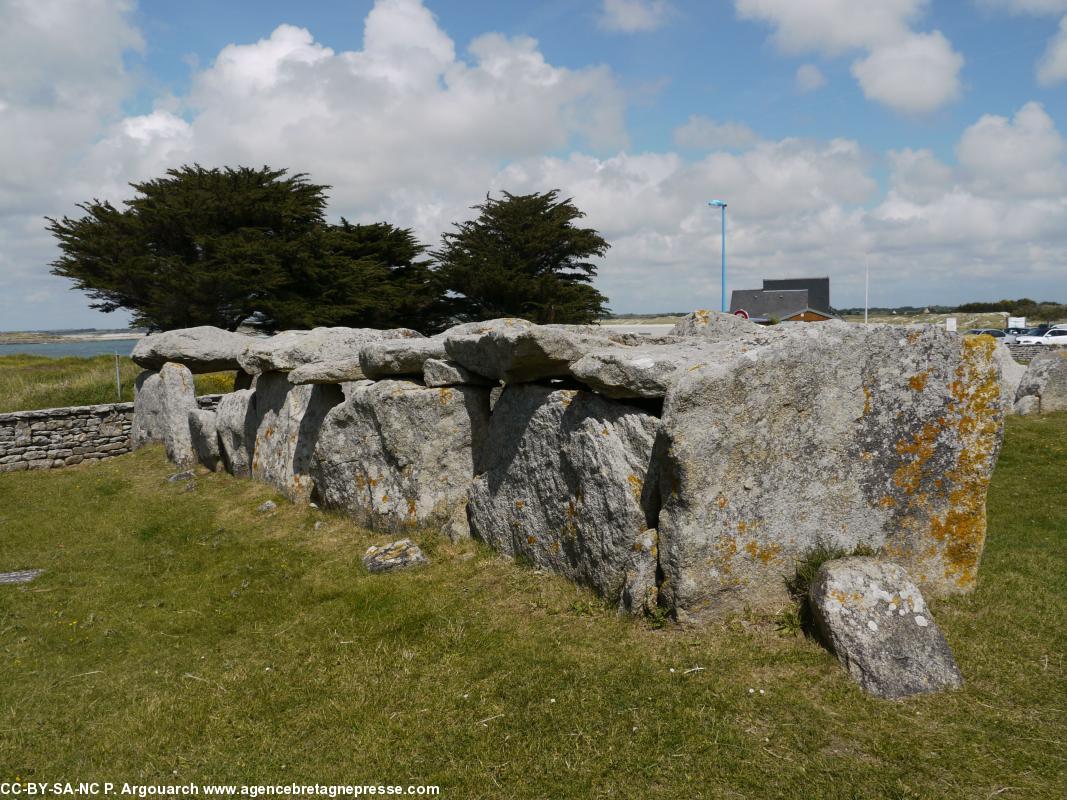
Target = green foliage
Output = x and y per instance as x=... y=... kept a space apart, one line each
x=523 y=257
x=197 y=247
x=1023 y=307
x=219 y=246
x=30 y=382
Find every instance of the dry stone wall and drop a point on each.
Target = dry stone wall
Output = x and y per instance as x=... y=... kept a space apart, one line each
x=61 y=437
x=686 y=473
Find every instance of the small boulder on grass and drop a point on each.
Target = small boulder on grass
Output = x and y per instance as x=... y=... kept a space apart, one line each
x=873 y=617
x=397 y=555
x=267 y=507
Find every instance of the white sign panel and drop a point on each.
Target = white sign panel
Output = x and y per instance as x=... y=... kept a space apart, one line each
x=1016 y=322
x=950 y=324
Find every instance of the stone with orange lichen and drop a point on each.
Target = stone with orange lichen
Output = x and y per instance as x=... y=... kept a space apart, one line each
x=832 y=434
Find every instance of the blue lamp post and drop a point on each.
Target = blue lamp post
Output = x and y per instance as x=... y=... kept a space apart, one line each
x=722 y=204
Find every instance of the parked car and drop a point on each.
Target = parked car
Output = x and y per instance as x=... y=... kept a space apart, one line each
x=996 y=333
x=1051 y=336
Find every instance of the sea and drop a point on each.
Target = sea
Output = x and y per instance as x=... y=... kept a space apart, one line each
x=83 y=348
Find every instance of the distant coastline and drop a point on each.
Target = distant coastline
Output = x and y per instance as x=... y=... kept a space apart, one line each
x=58 y=337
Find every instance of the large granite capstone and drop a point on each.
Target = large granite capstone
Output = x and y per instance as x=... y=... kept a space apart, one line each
x=201 y=349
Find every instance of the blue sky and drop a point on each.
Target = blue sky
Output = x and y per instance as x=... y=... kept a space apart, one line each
x=921 y=136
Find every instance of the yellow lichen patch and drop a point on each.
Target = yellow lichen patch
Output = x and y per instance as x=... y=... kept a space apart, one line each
x=742 y=526
x=702 y=315
x=566 y=397
x=765 y=554
x=914 y=336
x=636 y=485
x=866 y=400
x=555 y=548
x=887 y=502
x=572 y=512
x=908 y=476
x=531 y=539
x=839 y=596
x=520 y=505
x=918 y=382
x=721 y=502
x=444 y=395
x=411 y=507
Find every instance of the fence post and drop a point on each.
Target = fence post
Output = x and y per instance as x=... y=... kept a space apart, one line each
x=118 y=380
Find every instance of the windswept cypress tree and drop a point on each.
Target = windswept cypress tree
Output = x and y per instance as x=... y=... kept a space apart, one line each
x=523 y=257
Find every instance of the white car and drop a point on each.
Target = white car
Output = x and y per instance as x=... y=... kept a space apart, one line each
x=1052 y=336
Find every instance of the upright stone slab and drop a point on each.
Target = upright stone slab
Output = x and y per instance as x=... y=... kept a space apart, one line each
x=201 y=349
x=564 y=483
x=1011 y=375
x=1043 y=388
x=288 y=422
x=205 y=438
x=162 y=402
x=875 y=620
x=396 y=454
x=236 y=423
x=830 y=434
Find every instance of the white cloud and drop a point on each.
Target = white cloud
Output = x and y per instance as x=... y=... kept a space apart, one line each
x=1052 y=68
x=1026 y=6
x=1017 y=157
x=701 y=133
x=907 y=71
x=633 y=16
x=809 y=78
x=917 y=74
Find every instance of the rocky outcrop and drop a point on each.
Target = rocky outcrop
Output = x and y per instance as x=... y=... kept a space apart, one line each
x=874 y=619
x=835 y=434
x=162 y=402
x=397 y=454
x=288 y=350
x=203 y=349
x=289 y=419
x=1043 y=387
x=564 y=483
x=205 y=438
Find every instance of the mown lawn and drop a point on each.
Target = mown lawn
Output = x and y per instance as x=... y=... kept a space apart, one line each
x=181 y=636
x=31 y=382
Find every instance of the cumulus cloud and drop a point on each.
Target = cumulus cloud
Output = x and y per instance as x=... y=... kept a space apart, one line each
x=905 y=70
x=1026 y=6
x=633 y=16
x=916 y=74
x=412 y=128
x=1052 y=68
x=809 y=78
x=701 y=133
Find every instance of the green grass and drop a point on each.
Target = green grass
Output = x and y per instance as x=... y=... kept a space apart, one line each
x=31 y=382
x=180 y=636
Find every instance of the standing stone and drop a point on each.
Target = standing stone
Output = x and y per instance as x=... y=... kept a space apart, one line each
x=289 y=419
x=830 y=434
x=201 y=349
x=564 y=483
x=640 y=592
x=1043 y=387
x=396 y=454
x=162 y=402
x=1011 y=375
x=205 y=438
x=874 y=619
x=236 y=424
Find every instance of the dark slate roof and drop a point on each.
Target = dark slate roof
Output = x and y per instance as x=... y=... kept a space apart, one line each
x=818 y=290
x=763 y=304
